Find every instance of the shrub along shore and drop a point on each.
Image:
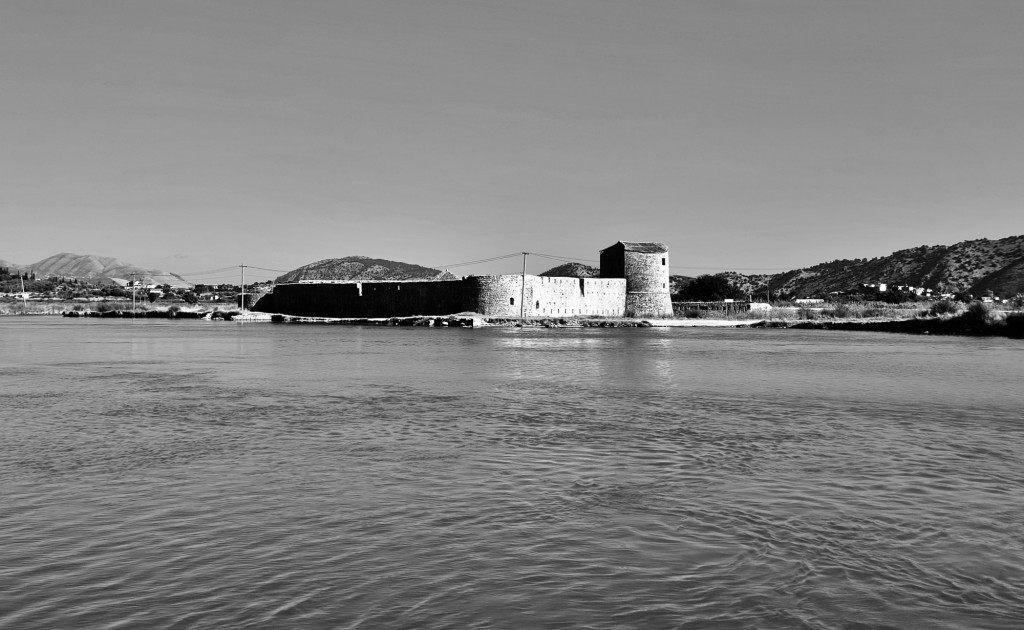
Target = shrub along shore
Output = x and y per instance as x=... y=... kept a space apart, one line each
x=977 y=319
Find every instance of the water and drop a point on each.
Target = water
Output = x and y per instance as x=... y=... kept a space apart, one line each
x=163 y=474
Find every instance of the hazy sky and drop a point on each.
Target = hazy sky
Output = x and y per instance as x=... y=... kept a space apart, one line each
x=753 y=134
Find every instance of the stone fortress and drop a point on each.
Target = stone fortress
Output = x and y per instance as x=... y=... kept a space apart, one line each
x=634 y=282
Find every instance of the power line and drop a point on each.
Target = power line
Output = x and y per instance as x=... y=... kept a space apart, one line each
x=222 y=270
x=211 y=279
x=265 y=269
x=228 y=279
x=211 y=271
x=733 y=269
x=477 y=262
x=565 y=258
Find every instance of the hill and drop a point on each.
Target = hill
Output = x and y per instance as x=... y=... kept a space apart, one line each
x=969 y=266
x=573 y=270
x=101 y=269
x=362 y=268
x=6 y=264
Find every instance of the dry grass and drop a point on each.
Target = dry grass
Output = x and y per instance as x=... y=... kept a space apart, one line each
x=782 y=313
x=58 y=307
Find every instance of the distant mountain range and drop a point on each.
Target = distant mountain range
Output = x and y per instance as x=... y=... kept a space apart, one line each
x=96 y=269
x=969 y=266
x=975 y=266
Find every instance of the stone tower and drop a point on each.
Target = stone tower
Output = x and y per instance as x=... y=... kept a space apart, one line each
x=645 y=268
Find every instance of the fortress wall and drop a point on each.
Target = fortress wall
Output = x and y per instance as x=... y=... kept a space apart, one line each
x=497 y=296
x=647 y=285
x=404 y=299
x=606 y=296
x=645 y=273
x=311 y=300
x=366 y=299
x=612 y=263
x=559 y=297
x=504 y=296
x=655 y=305
x=634 y=282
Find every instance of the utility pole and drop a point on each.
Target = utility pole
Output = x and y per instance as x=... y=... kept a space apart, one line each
x=134 y=277
x=522 y=294
x=242 y=303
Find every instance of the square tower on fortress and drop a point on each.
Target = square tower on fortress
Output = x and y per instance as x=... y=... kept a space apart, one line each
x=645 y=267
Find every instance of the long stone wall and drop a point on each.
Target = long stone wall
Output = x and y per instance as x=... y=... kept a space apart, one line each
x=499 y=296
x=541 y=296
x=365 y=299
x=579 y=296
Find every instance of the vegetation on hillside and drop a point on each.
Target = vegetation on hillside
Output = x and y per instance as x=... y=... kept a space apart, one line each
x=99 y=269
x=573 y=270
x=975 y=267
x=362 y=268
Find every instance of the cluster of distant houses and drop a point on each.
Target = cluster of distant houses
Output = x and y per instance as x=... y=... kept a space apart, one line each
x=882 y=287
x=144 y=289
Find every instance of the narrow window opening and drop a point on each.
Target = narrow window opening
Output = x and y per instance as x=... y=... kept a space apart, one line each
x=512 y=301
x=662 y=262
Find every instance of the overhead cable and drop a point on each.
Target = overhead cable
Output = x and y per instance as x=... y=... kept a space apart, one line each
x=477 y=262
x=564 y=258
x=206 y=273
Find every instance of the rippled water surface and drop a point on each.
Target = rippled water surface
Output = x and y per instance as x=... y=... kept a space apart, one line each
x=225 y=475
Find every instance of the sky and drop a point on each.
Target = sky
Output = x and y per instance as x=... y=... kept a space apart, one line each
x=749 y=135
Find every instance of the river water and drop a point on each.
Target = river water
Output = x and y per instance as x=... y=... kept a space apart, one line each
x=161 y=474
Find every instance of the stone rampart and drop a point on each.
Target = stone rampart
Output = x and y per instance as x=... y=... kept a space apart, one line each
x=647 y=289
x=655 y=305
x=498 y=296
x=365 y=299
x=578 y=296
x=506 y=296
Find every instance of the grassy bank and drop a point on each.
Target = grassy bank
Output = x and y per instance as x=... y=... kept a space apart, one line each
x=791 y=312
x=977 y=319
x=942 y=317
x=59 y=307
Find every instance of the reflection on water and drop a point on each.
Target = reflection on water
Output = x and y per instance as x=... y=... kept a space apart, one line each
x=211 y=474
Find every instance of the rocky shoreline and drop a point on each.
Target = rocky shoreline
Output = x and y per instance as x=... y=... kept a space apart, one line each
x=970 y=323
x=155 y=314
